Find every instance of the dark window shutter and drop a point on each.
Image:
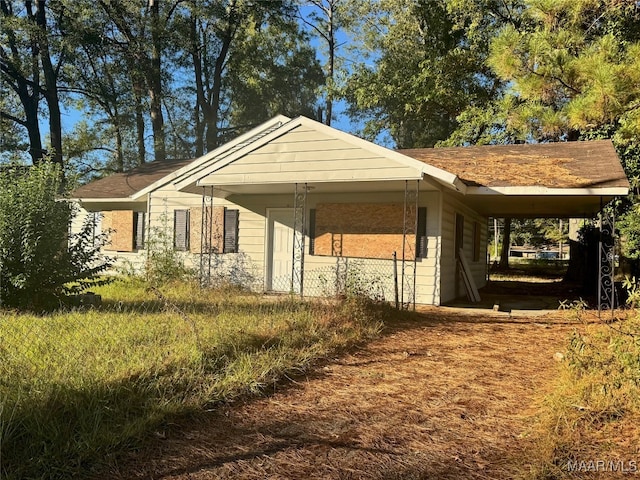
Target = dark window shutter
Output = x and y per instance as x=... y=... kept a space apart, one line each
x=421 y=233
x=181 y=229
x=231 y=218
x=312 y=231
x=459 y=238
x=476 y=241
x=138 y=230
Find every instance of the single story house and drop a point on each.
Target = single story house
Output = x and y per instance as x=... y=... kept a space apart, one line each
x=307 y=208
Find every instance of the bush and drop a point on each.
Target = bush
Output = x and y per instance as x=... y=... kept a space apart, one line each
x=40 y=262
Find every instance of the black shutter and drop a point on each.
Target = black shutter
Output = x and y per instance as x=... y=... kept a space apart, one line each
x=181 y=229
x=459 y=234
x=312 y=231
x=231 y=220
x=421 y=233
x=138 y=230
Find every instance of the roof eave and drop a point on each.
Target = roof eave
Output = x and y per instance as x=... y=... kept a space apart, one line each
x=538 y=190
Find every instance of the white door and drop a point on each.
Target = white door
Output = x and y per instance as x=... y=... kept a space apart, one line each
x=280 y=249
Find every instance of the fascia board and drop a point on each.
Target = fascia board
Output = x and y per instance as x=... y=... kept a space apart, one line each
x=198 y=163
x=442 y=176
x=222 y=162
x=539 y=191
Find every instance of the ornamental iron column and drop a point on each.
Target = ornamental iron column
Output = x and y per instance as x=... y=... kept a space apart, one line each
x=606 y=261
x=299 y=233
x=206 y=232
x=409 y=232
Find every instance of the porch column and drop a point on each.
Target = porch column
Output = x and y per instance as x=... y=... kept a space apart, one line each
x=409 y=232
x=606 y=261
x=299 y=233
x=206 y=229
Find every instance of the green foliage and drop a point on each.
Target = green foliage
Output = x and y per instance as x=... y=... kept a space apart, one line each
x=78 y=389
x=39 y=262
x=164 y=263
x=428 y=68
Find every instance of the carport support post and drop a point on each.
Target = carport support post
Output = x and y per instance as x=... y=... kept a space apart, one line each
x=409 y=232
x=206 y=229
x=606 y=259
x=299 y=231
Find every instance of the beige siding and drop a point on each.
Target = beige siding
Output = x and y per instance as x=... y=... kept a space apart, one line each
x=305 y=155
x=123 y=261
x=451 y=285
x=252 y=239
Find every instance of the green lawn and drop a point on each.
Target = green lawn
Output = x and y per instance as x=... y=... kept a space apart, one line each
x=77 y=387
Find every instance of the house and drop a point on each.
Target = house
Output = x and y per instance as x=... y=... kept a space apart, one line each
x=310 y=209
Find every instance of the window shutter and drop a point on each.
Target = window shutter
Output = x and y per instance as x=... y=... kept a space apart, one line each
x=476 y=241
x=421 y=233
x=312 y=231
x=231 y=218
x=138 y=230
x=459 y=237
x=181 y=229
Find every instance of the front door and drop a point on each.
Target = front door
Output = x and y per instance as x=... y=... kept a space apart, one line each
x=280 y=247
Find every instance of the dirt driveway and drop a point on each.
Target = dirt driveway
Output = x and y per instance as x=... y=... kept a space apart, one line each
x=449 y=395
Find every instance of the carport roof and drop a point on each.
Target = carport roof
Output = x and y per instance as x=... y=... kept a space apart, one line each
x=561 y=165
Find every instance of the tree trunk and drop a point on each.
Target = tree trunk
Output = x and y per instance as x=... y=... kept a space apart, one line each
x=140 y=129
x=201 y=103
x=154 y=81
x=331 y=43
x=50 y=81
x=506 y=243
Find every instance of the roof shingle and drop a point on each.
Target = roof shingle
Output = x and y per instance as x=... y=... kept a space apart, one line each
x=123 y=185
x=587 y=164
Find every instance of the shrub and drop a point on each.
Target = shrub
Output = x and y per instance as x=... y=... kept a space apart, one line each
x=40 y=262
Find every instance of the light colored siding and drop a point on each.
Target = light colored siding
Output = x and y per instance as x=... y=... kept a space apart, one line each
x=305 y=155
x=252 y=235
x=451 y=284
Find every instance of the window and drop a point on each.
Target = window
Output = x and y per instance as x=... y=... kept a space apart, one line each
x=181 y=230
x=223 y=233
x=476 y=241
x=421 y=233
x=119 y=225
x=459 y=234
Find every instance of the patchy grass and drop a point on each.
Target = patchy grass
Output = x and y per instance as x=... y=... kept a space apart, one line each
x=443 y=394
x=590 y=423
x=78 y=387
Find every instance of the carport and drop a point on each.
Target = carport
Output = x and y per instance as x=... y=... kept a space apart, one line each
x=553 y=180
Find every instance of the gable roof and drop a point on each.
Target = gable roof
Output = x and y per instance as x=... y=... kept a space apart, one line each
x=125 y=185
x=287 y=150
x=506 y=179
x=136 y=183
x=589 y=164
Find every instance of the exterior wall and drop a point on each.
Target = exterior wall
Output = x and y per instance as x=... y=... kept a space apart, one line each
x=130 y=261
x=319 y=269
x=451 y=284
x=253 y=257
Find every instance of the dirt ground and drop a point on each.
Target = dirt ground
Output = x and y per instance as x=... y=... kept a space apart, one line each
x=447 y=395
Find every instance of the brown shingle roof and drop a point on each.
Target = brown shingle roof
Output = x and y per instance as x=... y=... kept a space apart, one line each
x=554 y=165
x=122 y=185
